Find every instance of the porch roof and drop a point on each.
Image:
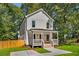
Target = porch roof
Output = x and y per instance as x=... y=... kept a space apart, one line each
x=38 y=29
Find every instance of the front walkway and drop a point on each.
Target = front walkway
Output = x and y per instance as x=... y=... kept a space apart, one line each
x=25 y=53
x=53 y=52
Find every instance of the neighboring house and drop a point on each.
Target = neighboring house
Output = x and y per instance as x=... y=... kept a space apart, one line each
x=37 y=30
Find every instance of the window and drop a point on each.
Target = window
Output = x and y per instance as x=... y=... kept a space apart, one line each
x=40 y=36
x=47 y=37
x=47 y=25
x=34 y=36
x=33 y=23
x=37 y=36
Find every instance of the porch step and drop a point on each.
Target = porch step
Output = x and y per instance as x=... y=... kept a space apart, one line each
x=37 y=44
x=47 y=45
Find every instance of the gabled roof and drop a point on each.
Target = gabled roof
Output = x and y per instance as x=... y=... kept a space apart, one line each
x=40 y=10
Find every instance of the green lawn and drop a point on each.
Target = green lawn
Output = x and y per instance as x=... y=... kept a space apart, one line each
x=6 y=51
x=73 y=48
x=41 y=50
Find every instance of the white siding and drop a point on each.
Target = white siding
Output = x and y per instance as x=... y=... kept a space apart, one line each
x=40 y=21
x=26 y=38
x=23 y=32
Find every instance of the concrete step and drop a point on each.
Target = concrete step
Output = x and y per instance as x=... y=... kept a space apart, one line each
x=48 y=45
x=37 y=44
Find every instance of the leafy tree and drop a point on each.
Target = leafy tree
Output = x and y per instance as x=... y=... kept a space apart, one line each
x=10 y=18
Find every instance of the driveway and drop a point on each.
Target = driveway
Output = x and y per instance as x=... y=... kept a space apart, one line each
x=53 y=51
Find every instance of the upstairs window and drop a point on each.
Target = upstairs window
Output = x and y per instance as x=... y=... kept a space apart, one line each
x=47 y=25
x=33 y=23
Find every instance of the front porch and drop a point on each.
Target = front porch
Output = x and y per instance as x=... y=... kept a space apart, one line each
x=43 y=37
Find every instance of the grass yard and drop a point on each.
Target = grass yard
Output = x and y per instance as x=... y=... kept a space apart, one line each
x=6 y=51
x=41 y=50
x=73 y=48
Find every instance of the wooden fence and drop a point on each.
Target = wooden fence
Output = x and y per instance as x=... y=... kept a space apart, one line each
x=12 y=43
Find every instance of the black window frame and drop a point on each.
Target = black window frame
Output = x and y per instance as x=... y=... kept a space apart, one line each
x=33 y=23
x=47 y=25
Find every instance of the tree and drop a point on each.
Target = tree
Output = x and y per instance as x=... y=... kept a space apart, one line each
x=10 y=18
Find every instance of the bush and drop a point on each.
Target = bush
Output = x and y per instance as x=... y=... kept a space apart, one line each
x=71 y=41
x=77 y=40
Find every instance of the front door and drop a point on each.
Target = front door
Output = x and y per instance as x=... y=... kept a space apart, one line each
x=47 y=38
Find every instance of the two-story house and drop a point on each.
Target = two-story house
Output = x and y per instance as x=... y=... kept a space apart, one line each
x=37 y=30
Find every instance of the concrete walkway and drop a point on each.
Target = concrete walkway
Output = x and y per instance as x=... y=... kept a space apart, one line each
x=53 y=51
x=25 y=53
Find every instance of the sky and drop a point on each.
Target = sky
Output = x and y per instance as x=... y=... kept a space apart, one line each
x=18 y=4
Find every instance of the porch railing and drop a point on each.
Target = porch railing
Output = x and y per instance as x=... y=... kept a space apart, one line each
x=51 y=41
x=36 y=42
x=54 y=41
x=42 y=42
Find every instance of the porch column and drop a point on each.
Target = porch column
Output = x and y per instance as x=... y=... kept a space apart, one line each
x=51 y=39
x=33 y=40
x=50 y=35
x=42 y=38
